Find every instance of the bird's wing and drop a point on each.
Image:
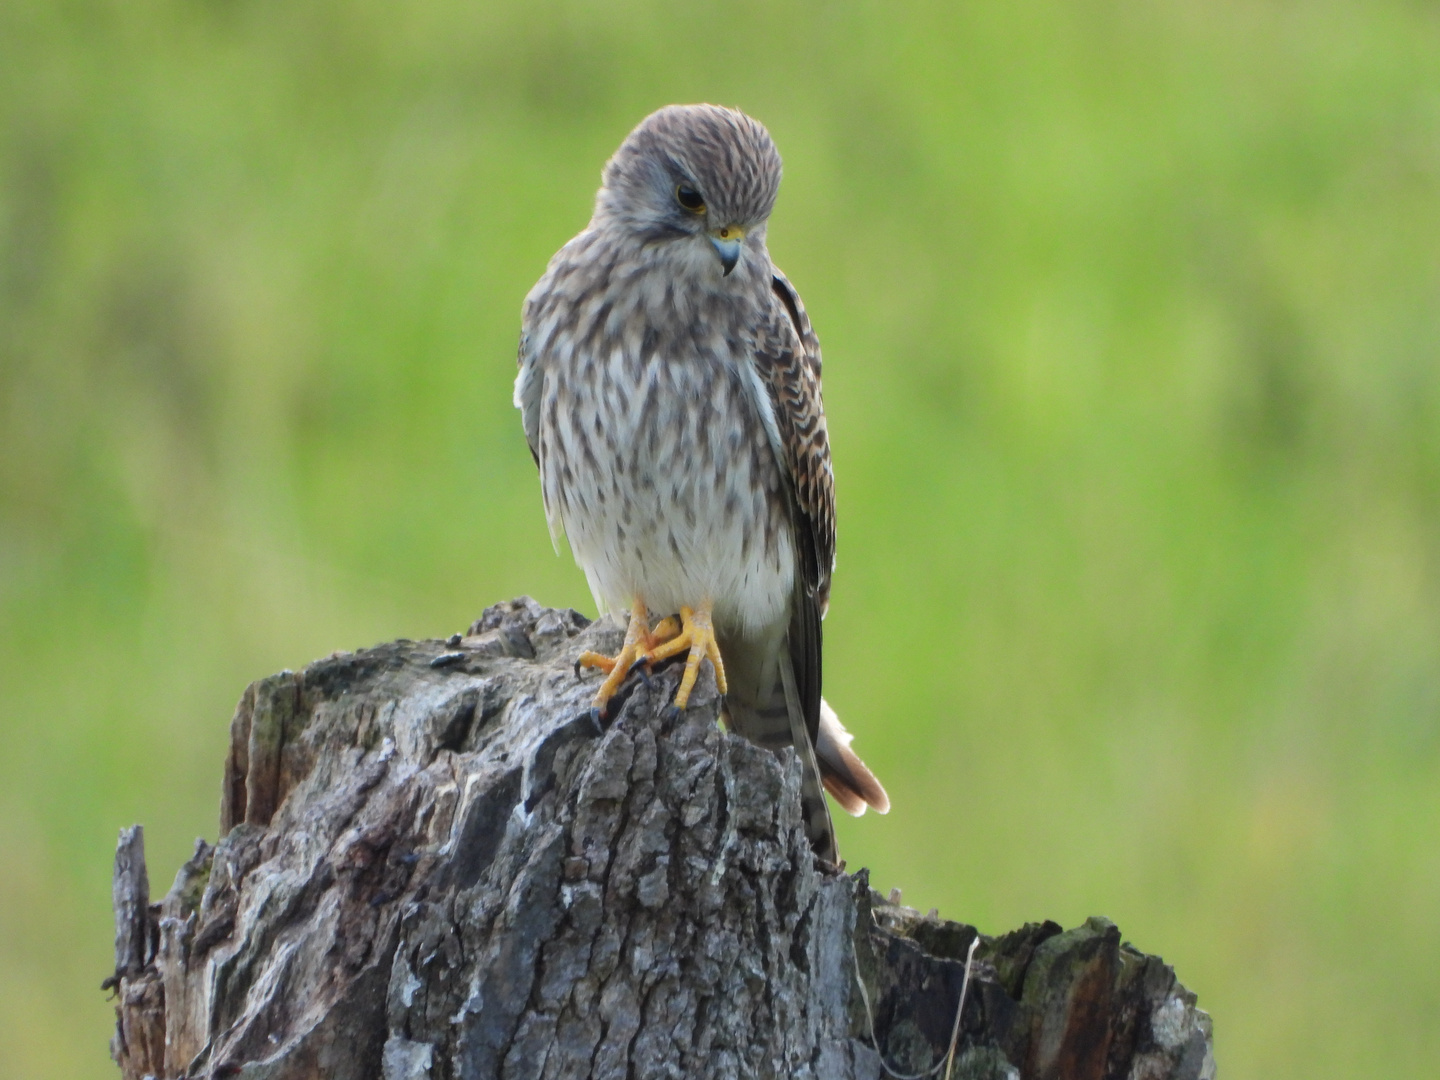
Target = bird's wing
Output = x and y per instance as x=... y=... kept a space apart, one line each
x=791 y=373
x=529 y=385
x=541 y=320
x=786 y=365
x=789 y=367
x=530 y=399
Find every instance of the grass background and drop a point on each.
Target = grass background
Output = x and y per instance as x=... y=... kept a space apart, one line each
x=1131 y=314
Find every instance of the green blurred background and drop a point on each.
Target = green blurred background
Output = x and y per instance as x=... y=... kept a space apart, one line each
x=1131 y=314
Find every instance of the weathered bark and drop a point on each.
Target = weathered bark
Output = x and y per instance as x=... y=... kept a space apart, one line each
x=434 y=864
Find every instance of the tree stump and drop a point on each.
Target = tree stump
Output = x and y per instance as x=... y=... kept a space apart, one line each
x=433 y=863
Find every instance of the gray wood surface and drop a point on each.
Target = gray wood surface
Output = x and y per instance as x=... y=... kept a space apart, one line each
x=434 y=864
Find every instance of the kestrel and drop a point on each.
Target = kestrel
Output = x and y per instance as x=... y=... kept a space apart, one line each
x=670 y=388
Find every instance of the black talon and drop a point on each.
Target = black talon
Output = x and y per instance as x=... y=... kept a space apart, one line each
x=597 y=717
x=671 y=713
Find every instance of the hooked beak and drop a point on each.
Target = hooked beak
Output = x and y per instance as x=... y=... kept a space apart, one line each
x=726 y=242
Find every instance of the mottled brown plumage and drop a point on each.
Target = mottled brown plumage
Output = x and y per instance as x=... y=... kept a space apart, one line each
x=670 y=389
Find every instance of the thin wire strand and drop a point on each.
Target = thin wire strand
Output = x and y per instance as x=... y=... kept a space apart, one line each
x=948 y=1061
x=964 y=989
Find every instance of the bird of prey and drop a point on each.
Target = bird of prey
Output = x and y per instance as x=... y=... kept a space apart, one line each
x=669 y=385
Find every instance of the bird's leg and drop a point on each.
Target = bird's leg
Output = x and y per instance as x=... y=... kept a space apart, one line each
x=639 y=641
x=697 y=634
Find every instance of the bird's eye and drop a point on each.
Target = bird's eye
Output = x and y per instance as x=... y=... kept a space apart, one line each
x=690 y=199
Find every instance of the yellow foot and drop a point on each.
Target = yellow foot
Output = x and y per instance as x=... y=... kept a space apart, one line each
x=664 y=630
x=698 y=635
x=640 y=640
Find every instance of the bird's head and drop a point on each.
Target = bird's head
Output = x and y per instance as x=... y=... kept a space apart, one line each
x=699 y=176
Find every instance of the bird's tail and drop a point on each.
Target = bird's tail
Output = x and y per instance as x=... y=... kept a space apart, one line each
x=847 y=779
x=763 y=706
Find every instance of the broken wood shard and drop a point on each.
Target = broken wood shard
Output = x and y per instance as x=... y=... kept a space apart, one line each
x=433 y=865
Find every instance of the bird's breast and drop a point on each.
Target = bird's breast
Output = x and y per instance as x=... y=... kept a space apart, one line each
x=654 y=454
